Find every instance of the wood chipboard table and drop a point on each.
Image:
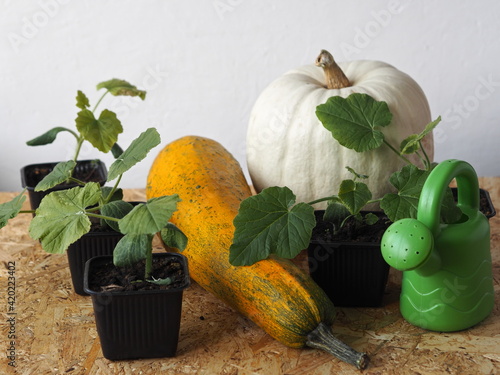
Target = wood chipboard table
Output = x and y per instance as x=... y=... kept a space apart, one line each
x=56 y=334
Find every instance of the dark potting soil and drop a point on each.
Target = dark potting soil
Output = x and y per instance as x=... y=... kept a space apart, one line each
x=108 y=277
x=355 y=231
x=352 y=230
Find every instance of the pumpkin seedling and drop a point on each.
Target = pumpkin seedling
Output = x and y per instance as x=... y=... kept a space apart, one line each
x=272 y=223
x=101 y=132
x=65 y=216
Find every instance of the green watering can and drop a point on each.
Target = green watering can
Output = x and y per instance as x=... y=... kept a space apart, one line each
x=447 y=280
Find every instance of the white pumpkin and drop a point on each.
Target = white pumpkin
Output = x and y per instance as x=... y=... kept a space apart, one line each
x=288 y=146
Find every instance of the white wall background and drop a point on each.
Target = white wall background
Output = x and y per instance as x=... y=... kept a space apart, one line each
x=204 y=63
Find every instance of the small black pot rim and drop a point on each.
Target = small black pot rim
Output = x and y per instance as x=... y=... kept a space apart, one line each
x=35 y=165
x=346 y=243
x=182 y=259
x=338 y=243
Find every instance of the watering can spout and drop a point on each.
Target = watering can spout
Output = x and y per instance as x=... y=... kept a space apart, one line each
x=408 y=245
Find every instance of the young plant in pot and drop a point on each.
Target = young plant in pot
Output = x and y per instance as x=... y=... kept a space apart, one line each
x=41 y=179
x=351 y=270
x=298 y=154
x=143 y=284
x=101 y=132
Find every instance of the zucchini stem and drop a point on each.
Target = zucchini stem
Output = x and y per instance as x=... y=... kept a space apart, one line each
x=323 y=338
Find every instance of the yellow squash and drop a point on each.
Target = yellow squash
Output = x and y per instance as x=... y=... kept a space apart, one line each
x=273 y=293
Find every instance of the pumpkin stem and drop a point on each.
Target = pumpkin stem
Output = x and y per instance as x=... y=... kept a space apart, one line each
x=335 y=77
x=323 y=338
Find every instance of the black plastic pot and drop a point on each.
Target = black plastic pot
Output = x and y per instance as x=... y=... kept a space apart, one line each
x=352 y=274
x=486 y=205
x=91 y=245
x=138 y=324
x=86 y=170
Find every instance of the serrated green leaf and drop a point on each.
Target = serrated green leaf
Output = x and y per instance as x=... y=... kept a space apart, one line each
x=150 y=217
x=356 y=174
x=270 y=223
x=82 y=101
x=354 y=195
x=137 y=151
x=409 y=182
x=61 y=172
x=117 y=195
x=117 y=209
x=131 y=249
x=371 y=218
x=48 y=137
x=411 y=144
x=60 y=219
x=121 y=87
x=450 y=212
x=173 y=237
x=10 y=209
x=336 y=213
x=353 y=121
x=103 y=132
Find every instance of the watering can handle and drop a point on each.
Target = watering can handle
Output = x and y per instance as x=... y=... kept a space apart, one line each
x=429 y=206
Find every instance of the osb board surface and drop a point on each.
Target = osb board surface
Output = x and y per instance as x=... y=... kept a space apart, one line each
x=55 y=331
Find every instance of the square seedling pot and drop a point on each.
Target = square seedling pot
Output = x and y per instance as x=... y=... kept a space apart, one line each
x=352 y=274
x=90 y=245
x=485 y=203
x=85 y=170
x=138 y=324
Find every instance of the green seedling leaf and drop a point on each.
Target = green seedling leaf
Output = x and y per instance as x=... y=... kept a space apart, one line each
x=336 y=213
x=10 y=209
x=409 y=182
x=450 y=212
x=60 y=219
x=371 y=218
x=150 y=217
x=136 y=152
x=103 y=132
x=411 y=144
x=356 y=174
x=174 y=237
x=116 y=150
x=82 y=101
x=354 y=195
x=61 y=172
x=117 y=195
x=166 y=281
x=48 y=137
x=119 y=87
x=270 y=223
x=354 y=121
x=131 y=249
x=117 y=209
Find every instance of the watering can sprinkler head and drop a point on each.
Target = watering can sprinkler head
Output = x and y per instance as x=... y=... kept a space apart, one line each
x=407 y=244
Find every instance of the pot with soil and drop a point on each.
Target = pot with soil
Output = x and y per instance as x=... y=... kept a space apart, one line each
x=101 y=240
x=85 y=170
x=97 y=242
x=347 y=264
x=137 y=318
